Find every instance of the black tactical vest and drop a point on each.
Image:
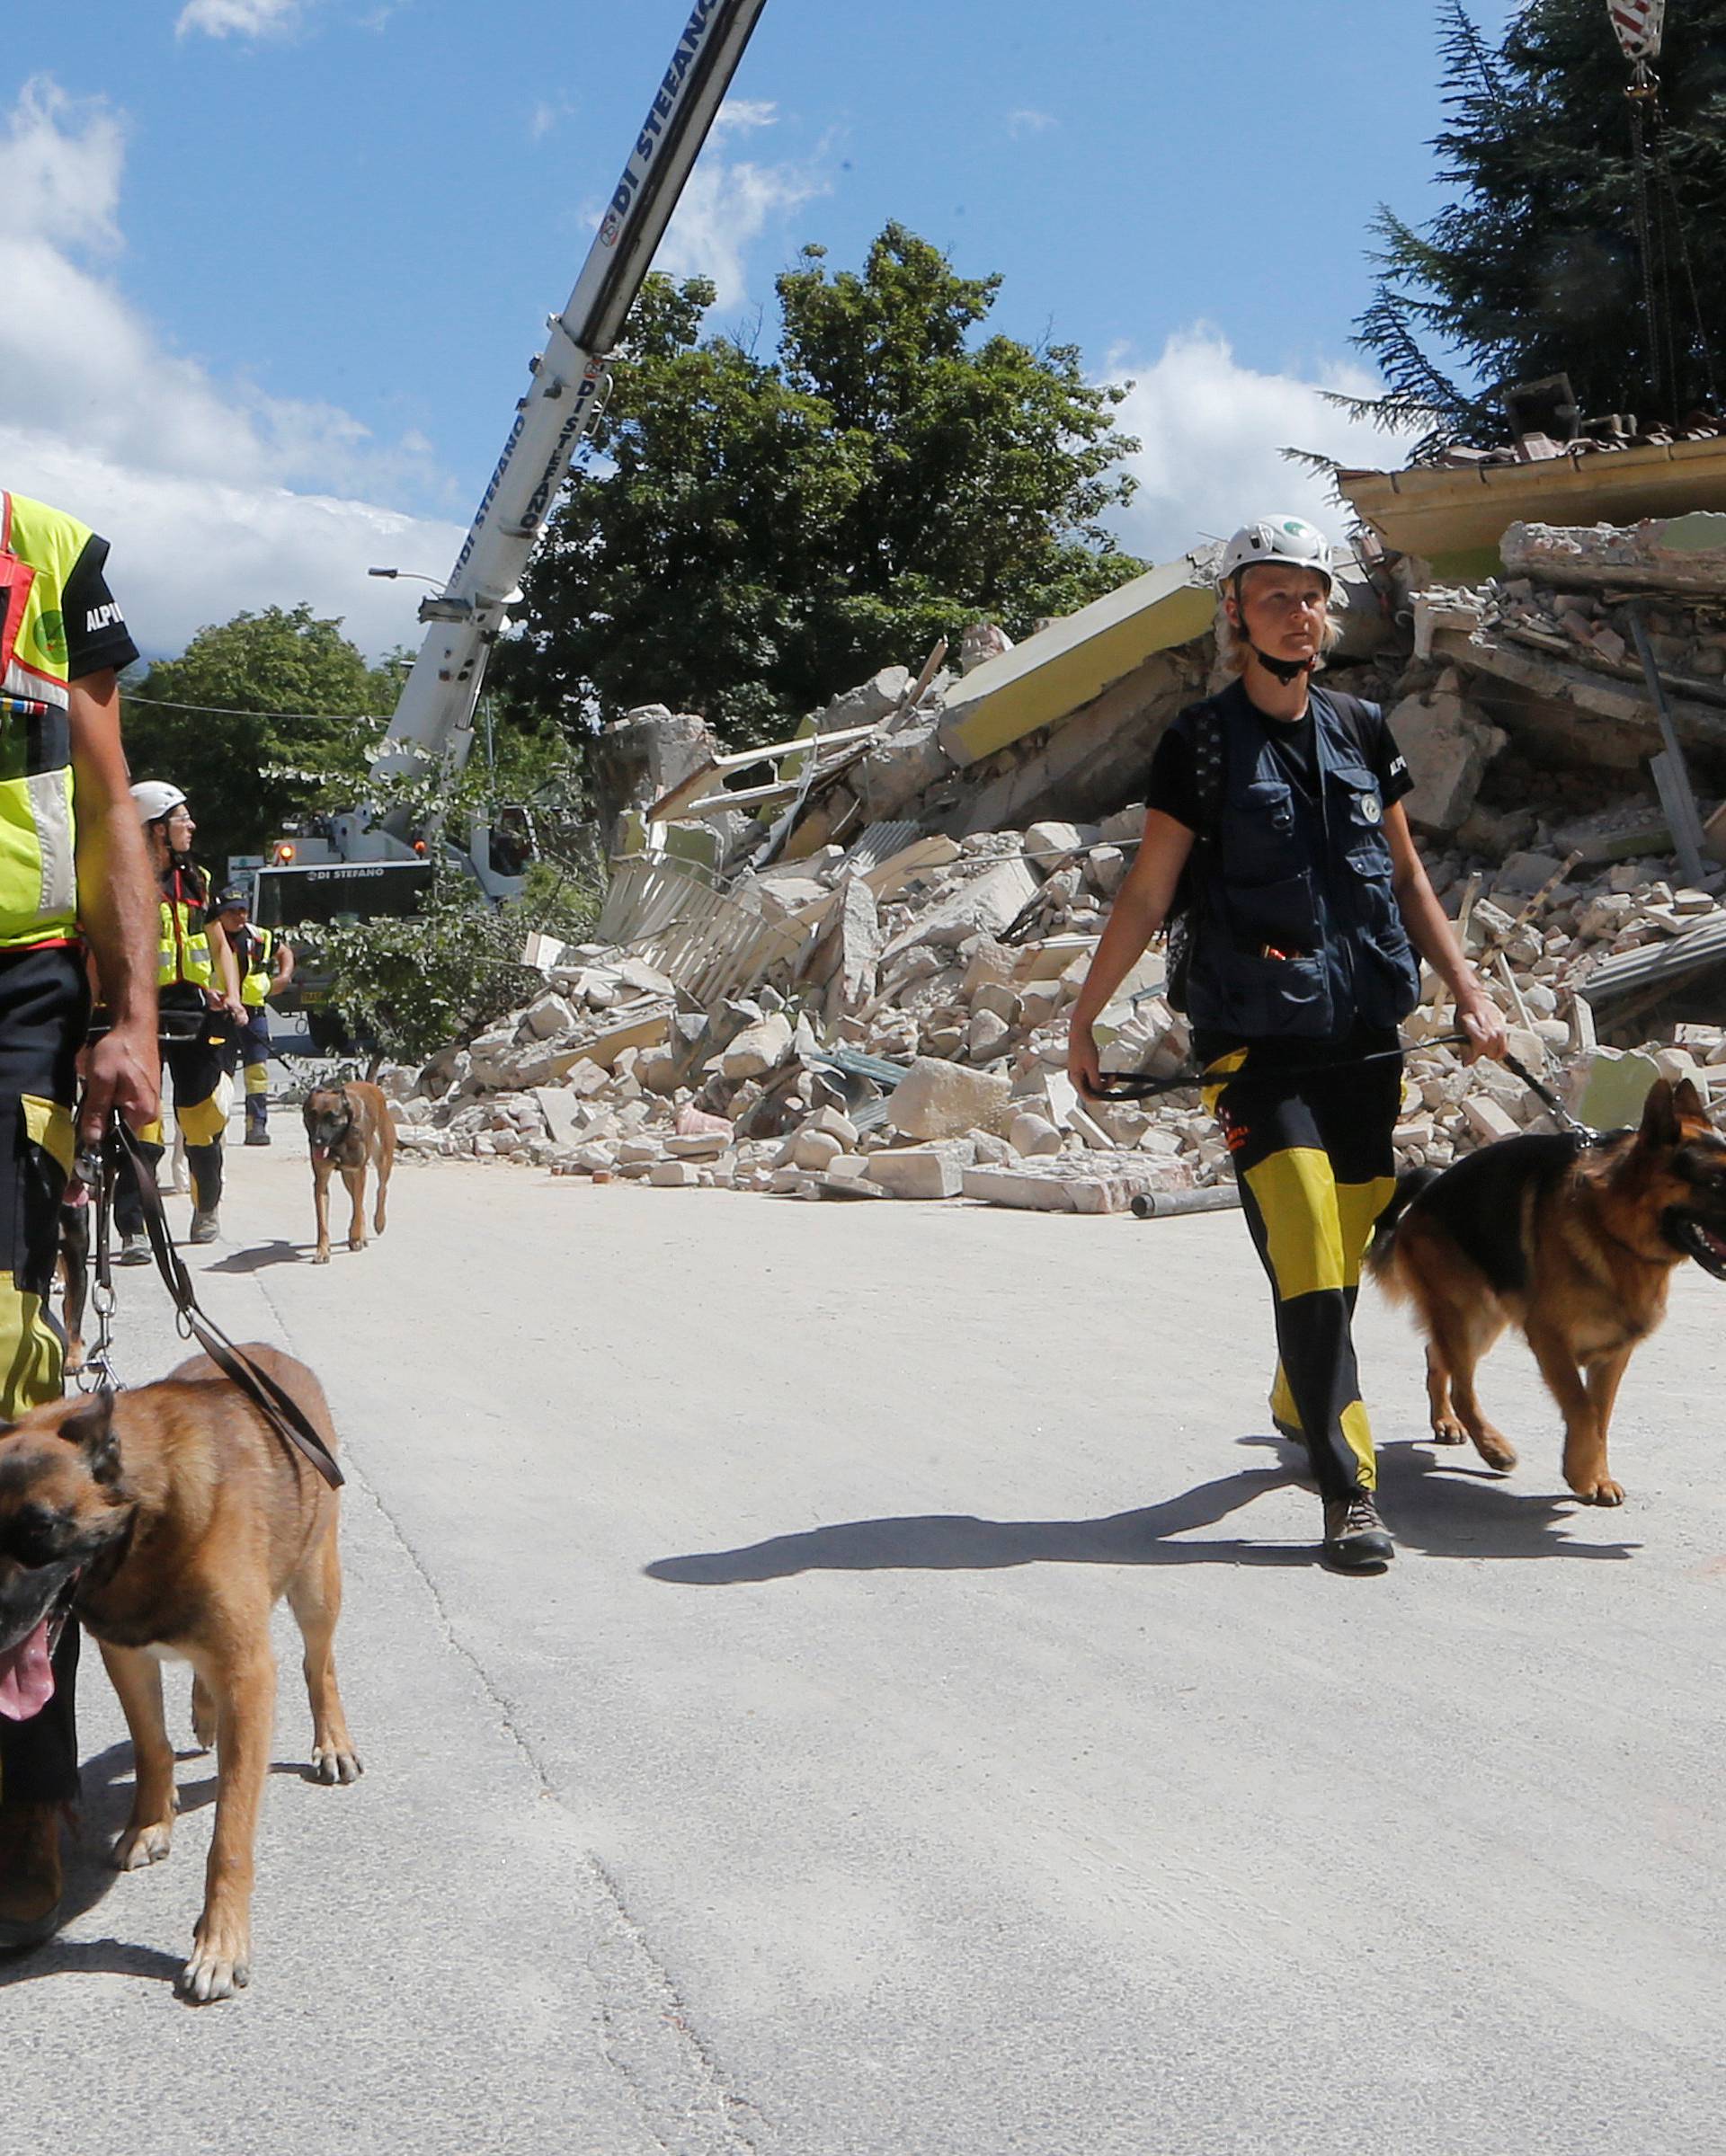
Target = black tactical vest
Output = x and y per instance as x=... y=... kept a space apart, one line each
x=1296 y=933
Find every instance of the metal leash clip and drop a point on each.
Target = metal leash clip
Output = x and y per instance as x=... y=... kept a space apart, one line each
x=96 y=1372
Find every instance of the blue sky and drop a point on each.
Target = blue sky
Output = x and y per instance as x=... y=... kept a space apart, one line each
x=275 y=267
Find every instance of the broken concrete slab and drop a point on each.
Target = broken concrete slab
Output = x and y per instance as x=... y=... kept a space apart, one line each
x=984 y=904
x=1033 y=1135
x=943 y=1100
x=757 y=1049
x=855 y=956
x=563 y=1111
x=643 y=1025
x=1449 y=749
x=1608 y=1088
x=914 y=1173
x=1013 y=1187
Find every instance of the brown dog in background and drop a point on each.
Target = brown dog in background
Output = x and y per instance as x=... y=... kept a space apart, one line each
x=348 y=1127
x=169 y=1522
x=1576 y=1246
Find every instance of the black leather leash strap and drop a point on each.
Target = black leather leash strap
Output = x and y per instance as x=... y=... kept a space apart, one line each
x=1561 y=1113
x=283 y=1412
x=1134 y=1088
x=1131 y=1088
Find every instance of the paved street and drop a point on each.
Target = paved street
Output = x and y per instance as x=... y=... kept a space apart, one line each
x=853 y=1681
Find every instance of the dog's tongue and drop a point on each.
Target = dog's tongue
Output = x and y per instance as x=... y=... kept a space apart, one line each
x=26 y=1677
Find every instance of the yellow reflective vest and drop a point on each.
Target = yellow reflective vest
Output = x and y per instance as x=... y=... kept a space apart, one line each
x=38 y=895
x=254 y=982
x=183 y=948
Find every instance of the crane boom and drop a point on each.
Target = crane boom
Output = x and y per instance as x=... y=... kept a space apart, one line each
x=435 y=714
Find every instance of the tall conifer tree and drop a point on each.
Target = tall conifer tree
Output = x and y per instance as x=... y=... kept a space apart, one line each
x=1534 y=266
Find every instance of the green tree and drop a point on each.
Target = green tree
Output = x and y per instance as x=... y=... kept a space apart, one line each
x=1533 y=267
x=758 y=533
x=408 y=987
x=255 y=720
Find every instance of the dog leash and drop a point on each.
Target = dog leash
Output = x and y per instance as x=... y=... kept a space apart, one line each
x=1134 y=1086
x=97 y=1171
x=1584 y=1133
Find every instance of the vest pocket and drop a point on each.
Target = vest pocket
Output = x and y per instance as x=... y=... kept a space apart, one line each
x=1258 y=838
x=1281 y=915
x=1272 y=997
x=1387 y=985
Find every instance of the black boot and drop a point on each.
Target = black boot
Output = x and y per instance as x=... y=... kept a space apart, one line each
x=1355 y=1538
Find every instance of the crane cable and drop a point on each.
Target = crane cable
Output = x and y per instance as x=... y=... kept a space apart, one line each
x=1639 y=26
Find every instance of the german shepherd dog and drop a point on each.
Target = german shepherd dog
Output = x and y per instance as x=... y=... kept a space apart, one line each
x=1574 y=1244
x=348 y=1127
x=169 y=1522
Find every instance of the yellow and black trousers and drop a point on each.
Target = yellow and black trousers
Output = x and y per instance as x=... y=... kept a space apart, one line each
x=251 y=1046
x=194 y=1057
x=44 y=1005
x=1310 y=1126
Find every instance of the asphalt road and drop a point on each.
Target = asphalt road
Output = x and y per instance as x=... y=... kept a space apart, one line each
x=854 y=1678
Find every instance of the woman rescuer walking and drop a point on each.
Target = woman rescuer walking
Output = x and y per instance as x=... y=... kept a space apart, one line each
x=1275 y=821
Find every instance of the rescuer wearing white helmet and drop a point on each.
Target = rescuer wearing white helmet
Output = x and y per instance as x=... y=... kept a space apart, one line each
x=197 y=986
x=74 y=881
x=1276 y=846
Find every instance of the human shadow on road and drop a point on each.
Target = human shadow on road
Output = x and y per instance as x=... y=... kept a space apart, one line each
x=960 y=1542
x=1431 y=1507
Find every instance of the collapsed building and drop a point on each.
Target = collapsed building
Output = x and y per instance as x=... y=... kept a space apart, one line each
x=841 y=964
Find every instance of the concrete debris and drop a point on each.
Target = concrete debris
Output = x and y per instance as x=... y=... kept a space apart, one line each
x=941 y=1076
x=1448 y=747
x=878 y=1008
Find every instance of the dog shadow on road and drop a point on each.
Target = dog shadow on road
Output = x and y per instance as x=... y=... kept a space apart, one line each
x=1432 y=1507
x=261 y=1254
x=105 y=1803
x=1442 y=1501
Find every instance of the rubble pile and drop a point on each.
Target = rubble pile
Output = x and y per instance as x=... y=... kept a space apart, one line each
x=910 y=1050
x=1615 y=430
x=844 y=962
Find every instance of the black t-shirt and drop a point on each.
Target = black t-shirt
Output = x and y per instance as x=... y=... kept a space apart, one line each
x=96 y=634
x=1171 y=788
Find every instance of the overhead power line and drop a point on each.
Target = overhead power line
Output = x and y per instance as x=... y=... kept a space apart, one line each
x=250 y=710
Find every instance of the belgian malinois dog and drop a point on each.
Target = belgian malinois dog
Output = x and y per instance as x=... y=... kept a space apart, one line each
x=348 y=1127
x=1573 y=1243
x=169 y=1522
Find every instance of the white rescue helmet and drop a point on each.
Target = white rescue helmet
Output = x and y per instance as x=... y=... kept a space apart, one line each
x=1287 y=539
x=155 y=798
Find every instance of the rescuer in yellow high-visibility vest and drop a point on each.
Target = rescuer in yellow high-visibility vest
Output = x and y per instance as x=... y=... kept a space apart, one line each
x=74 y=878
x=266 y=965
x=197 y=986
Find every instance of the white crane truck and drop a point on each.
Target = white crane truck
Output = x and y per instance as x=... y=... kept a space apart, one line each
x=356 y=864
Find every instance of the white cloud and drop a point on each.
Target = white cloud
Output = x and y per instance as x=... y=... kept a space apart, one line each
x=727 y=206
x=1026 y=122
x=237 y=17
x=1212 y=431
x=742 y=116
x=193 y=479
x=62 y=187
x=188 y=551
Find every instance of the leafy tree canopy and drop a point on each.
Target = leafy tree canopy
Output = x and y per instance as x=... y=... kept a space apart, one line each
x=253 y=719
x=1533 y=267
x=408 y=987
x=759 y=533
